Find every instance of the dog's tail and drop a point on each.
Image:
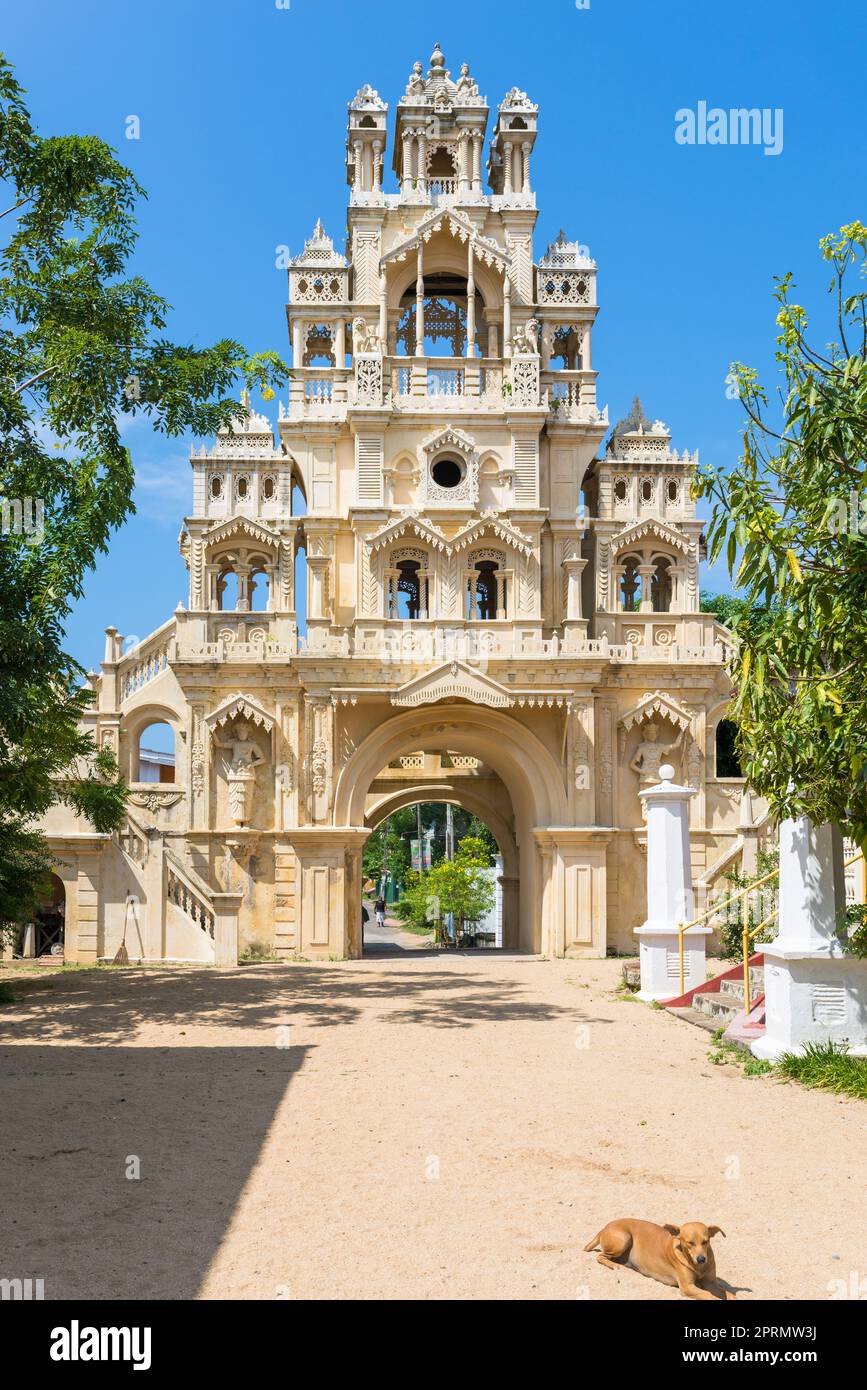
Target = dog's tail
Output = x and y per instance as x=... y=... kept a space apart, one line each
x=594 y=1242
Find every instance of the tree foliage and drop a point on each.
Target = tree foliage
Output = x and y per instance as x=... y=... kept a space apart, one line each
x=458 y=888
x=81 y=347
x=791 y=521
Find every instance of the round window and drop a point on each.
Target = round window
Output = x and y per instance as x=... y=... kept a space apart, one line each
x=447 y=472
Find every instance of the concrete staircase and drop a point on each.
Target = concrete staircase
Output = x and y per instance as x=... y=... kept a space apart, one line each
x=718 y=1003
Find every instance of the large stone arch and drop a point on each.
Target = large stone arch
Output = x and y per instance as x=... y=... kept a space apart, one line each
x=531 y=775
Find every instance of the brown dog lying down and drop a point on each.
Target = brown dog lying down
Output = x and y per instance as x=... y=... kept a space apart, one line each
x=678 y=1255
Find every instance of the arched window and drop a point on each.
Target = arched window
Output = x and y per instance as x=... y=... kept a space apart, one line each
x=408 y=591
x=260 y=590
x=299 y=582
x=441 y=171
x=486 y=591
x=407 y=594
x=445 y=318
x=227 y=591
x=630 y=585
x=155 y=753
x=727 y=761
x=660 y=584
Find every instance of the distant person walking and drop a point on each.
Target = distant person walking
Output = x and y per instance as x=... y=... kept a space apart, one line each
x=379 y=911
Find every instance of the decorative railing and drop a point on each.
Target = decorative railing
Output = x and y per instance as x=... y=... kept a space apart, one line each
x=318 y=390
x=437 y=187
x=445 y=381
x=134 y=839
x=189 y=894
x=147 y=660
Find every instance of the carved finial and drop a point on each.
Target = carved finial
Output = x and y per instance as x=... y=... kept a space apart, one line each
x=437 y=59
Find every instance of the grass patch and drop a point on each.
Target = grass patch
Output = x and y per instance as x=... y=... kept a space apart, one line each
x=826 y=1067
x=7 y=994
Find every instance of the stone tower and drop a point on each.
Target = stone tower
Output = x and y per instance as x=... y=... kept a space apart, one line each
x=496 y=609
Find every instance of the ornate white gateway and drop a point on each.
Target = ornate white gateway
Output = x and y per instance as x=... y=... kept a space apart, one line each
x=500 y=610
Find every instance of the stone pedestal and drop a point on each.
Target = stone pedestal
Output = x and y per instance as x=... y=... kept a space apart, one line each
x=670 y=899
x=814 y=991
x=226 y=909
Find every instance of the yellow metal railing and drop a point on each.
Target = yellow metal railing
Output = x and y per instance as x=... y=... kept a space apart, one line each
x=684 y=927
x=749 y=933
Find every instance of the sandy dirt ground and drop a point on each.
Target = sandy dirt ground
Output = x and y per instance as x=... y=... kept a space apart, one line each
x=411 y=1125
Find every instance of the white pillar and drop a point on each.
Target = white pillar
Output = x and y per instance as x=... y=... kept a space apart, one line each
x=471 y=303
x=376 y=166
x=507 y=317
x=477 y=162
x=419 y=302
x=814 y=991
x=670 y=899
x=525 y=167
x=406 y=163
x=507 y=166
x=383 y=311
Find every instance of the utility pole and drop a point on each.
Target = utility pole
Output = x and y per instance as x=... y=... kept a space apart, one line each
x=450 y=832
x=418 y=833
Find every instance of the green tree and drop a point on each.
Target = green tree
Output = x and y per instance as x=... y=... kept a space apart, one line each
x=458 y=888
x=386 y=849
x=81 y=346
x=790 y=519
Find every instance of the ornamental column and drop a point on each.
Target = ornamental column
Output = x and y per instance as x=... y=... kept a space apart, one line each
x=507 y=317
x=406 y=164
x=422 y=160
x=466 y=172
x=815 y=992
x=317 y=566
x=525 y=161
x=574 y=568
x=477 y=162
x=471 y=302
x=670 y=900
x=419 y=301
x=377 y=146
x=340 y=343
x=500 y=577
x=646 y=575
x=357 y=179
x=507 y=166
x=383 y=311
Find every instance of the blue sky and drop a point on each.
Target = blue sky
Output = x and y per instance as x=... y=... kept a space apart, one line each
x=242 y=106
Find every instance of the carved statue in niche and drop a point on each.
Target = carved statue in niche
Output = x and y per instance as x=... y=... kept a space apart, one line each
x=693 y=765
x=650 y=755
x=244 y=756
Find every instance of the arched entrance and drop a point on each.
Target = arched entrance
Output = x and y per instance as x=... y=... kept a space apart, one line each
x=380 y=807
x=524 y=765
x=43 y=935
x=499 y=924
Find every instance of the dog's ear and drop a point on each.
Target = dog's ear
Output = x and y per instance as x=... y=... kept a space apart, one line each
x=675 y=1230
x=716 y=1231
